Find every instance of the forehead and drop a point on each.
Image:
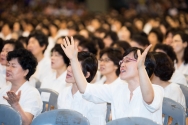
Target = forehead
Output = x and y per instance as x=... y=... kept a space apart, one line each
x=14 y=61
x=130 y=55
x=177 y=36
x=104 y=55
x=8 y=46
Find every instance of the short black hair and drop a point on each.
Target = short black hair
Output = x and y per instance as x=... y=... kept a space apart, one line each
x=40 y=37
x=1 y=44
x=141 y=40
x=122 y=44
x=25 y=59
x=14 y=43
x=90 y=45
x=115 y=56
x=89 y=64
x=164 y=66
x=149 y=61
x=167 y=49
x=57 y=48
x=113 y=35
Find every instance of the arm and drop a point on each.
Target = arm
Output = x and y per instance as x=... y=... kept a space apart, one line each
x=145 y=83
x=71 y=51
x=13 y=100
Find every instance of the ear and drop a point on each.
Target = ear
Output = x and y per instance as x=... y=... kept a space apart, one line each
x=87 y=75
x=185 y=44
x=26 y=72
x=43 y=47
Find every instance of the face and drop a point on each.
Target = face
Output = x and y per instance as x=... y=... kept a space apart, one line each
x=152 y=38
x=34 y=47
x=14 y=71
x=124 y=34
x=7 y=48
x=169 y=39
x=107 y=41
x=59 y=41
x=128 y=69
x=106 y=65
x=53 y=29
x=178 y=44
x=57 y=61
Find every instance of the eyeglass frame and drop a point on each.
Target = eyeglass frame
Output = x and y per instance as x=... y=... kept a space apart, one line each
x=125 y=59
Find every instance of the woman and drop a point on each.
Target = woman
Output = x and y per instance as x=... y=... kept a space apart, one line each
x=59 y=62
x=9 y=45
x=180 y=46
x=135 y=68
x=19 y=94
x=71 y=98
x=109 y=65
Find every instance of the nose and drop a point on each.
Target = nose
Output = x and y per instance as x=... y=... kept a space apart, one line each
x=69 y=69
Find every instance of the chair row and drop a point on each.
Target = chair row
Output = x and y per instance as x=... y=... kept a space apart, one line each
x=8 y=116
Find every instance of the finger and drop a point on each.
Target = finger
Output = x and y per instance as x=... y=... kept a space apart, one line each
x=147 y=49
x=19 y=94
x=6 y=98
x=138 y=53
x=64 y=43
x=62 y=46
x=72 y=40
x=67 y=41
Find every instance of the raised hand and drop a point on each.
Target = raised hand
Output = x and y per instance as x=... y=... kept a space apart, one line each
x=70 y=48
x=142 y=57
x=12 y=98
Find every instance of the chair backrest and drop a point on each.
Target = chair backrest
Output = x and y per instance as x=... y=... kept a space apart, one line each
x=60 y=117
x=185 y=92
x=8 y=116
x=175 y=110
x=38 y=84
x=49 y=98
x=132 y=121
x=108 y=112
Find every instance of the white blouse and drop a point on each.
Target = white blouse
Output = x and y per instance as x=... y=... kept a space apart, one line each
x=119 y=97
x=56 y=84
x=30 y=99
x=96 y=113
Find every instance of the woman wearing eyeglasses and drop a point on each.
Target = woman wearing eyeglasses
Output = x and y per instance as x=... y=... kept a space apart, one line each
x=138 y=98
x=109 y=65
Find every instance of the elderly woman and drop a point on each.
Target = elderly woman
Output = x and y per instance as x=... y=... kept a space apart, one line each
x=19 y=94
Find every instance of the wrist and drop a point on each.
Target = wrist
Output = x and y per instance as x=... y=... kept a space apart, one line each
x=15 y=105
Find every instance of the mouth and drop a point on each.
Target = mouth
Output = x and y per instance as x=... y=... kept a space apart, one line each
x=7 y=74
x=122 y=71
x=68 y=76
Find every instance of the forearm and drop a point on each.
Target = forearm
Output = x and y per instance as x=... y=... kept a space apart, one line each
x=79 y=76
x=146 y=86
x=26 y=120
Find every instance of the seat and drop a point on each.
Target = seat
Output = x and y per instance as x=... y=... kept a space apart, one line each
x=174 y=110
x=38 y=84
x=49 y=98
x=108 y=112
x=132 y=121
x=8 y=116
x=185 y=92
x=60 y=117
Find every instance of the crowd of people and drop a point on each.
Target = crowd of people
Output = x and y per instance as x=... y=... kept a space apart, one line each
x=131 y=62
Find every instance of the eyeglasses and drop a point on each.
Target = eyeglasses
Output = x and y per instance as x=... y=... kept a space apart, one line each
x=126 y=60
x=104 y=60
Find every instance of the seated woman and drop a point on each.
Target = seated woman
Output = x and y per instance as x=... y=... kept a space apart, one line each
x=19 y=94
x=136 y=98
x=59 y=62
x=9 y=45
x=71 y=98
x=177 y=76
x=109 y=66
x=162 y=74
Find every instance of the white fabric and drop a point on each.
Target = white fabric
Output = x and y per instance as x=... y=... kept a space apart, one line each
x=43 y=68
x=63 y=32
x=9 y=36
x=30 y=99
x=119 y=97
x=178 y=78
x=95 y=113
x=56 y=84
x=51 y=44
x=182 y=68
x=2 y=76
x=174 y=92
